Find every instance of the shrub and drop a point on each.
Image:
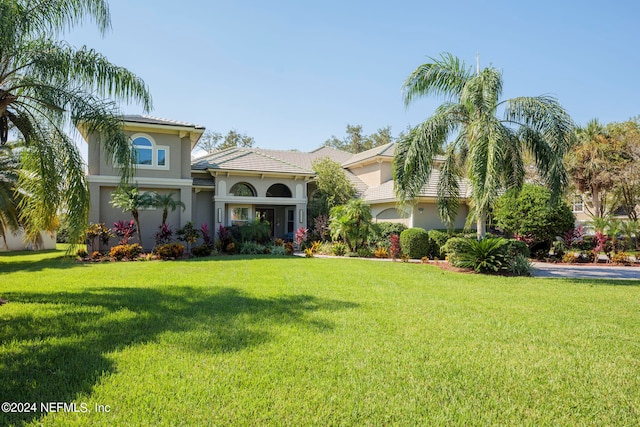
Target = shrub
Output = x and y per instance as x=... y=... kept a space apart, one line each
x=339 y=249
x=365 y=252
x=164 y=234
x=515 y=248
x=251 y=248
x=201 y=250
x=395 y=250
x=439 y=238
x=188 y=234
x=255 y=231
x=453 y=246
x=230 y=248
x=519 y=265
x=278 y=250
x=352 y=254
x=169 y=251
x=386 y=229
x=95 y=255
x=621 y=258
x=415 y=242
x=82 y=253
x=315 y=246
x=326 y=248
x=570 y=258
x=125 y=230
x=484 y=256
x=288 y=248
x=121 y=252
x=530 y=213
x=381 y=252
x=308 y=253
x=98 y=232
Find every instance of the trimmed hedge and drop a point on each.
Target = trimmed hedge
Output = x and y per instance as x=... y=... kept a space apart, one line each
x=415 y=243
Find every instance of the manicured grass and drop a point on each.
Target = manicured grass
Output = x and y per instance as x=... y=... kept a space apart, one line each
x=294 y=341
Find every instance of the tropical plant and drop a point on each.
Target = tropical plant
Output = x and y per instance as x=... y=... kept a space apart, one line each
x=475 y=142
x=98 y=232
x=395 y=250
x=351 y=222
x=206 y=235
x=125 y=230
x=255 y=231
x=484 y=256
x=130 y=199
x=333 y=188
x=164 y=234
x=121 y=252
x=166 y=202
x=47 y=85
x=169 y=251
x=631 y=229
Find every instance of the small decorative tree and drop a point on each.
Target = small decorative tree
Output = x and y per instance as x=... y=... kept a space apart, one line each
x=188 y=234
x=129 y=199
x=166 y=202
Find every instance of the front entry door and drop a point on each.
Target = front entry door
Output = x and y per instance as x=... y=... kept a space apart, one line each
x=267 y=214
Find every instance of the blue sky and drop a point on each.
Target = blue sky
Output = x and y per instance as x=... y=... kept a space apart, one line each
x=293 y=73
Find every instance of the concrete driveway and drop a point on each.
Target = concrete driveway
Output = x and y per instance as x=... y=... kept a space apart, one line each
x=585 y=271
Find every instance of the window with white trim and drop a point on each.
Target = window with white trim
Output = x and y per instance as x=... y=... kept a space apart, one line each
x=147 y=154
x=578 y=204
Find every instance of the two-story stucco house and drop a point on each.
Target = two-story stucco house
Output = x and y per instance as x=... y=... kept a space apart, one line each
x=237 y=185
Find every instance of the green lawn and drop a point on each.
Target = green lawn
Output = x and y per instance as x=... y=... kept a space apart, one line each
x=294 y=341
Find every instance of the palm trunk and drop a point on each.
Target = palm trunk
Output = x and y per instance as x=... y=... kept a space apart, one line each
x=481 y=225
x=137 y=221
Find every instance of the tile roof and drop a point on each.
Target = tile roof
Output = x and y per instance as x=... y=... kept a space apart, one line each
x=384 y=151
x=247 y=159
x=136 y=118
x=386 y=191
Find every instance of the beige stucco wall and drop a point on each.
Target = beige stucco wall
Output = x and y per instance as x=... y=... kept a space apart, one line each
x=369 y=174
x=388 y=212
x=429 y=218
x=177 y=167
x=15 y=242
x=150 y=219
x=203 y=209
x=224 y=183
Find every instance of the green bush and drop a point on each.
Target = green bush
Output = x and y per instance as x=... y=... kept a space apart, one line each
x=415 y=243
x=278 y=250
x=519 y=265
x=251 y=248
x=530 y=213
x=438 y=238
x=484 y=256
x=515 y=247
x=169 y=251
x=453 y=246
x=121 y=252
x=386 y=229
x=255 y=231
x=339 y=249
x=201 y=251
x=365 y=252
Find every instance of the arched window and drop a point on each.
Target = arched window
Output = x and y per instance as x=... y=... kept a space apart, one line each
x=148 y=154
x=242 y=189
x=278 y=190
x=143 y=151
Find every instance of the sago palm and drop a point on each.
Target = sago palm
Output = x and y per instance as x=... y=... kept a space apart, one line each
x=48 y=87
x=476 y=143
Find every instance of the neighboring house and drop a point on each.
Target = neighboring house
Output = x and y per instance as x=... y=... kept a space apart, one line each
x=236 y=185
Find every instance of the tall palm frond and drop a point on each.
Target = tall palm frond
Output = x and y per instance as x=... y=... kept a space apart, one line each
x=479 y=145
x=47 y=87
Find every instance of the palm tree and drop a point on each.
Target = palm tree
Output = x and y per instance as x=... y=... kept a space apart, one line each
x=46 y=86
x=129 y=199
x=351 y=222
x=476 y=143
x=8 y=195
x=166 y=202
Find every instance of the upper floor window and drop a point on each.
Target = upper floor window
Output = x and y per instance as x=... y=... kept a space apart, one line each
x=278 y=190
x=147 y=154
x=243 y=189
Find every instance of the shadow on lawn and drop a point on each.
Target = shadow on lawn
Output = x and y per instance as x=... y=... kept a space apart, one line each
x=60 y=353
